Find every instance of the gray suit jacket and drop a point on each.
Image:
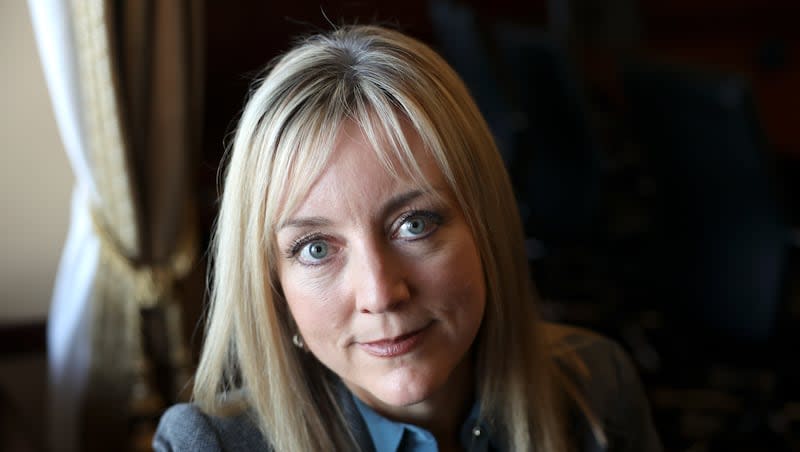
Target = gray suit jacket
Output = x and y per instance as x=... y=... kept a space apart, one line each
x=614 y=392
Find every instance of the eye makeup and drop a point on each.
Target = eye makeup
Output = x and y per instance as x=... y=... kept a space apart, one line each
x=430 y=214
x=433 y=221
x=297 y=245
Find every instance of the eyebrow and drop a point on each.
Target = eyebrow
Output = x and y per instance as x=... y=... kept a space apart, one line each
x=392 y=204
x=305 y=222
x=395 y=202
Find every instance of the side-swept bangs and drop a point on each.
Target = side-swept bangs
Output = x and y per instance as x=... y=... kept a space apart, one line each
x=383 y=90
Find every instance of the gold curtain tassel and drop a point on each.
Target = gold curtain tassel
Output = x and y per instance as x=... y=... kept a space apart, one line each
x=152 y=283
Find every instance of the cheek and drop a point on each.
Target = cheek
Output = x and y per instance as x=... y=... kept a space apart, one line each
x=458 y=277
x=316 y=308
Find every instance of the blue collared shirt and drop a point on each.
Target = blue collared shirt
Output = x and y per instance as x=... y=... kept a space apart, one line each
x=391 y=436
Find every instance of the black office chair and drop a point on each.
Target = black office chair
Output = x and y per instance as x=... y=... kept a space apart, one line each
x=525 y=87
x=461 y=40
x=723 y=242
x=720 y=260
x=557 y=162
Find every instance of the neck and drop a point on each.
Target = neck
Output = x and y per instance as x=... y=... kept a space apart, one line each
x=442 y=412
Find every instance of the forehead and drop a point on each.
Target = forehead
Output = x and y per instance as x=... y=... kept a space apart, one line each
x=362 y=163
x=403 y=155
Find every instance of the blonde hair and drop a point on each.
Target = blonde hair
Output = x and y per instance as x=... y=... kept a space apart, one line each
x=381 y=80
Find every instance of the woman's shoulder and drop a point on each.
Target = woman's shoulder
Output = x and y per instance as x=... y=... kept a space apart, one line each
x=599 y=366
x=608 y=380
x=596 y=354
x=185 y=427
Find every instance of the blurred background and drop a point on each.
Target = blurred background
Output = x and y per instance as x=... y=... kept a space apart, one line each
x=654 y=148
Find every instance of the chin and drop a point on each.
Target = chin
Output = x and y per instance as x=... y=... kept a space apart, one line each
x=402 y=398
x=402 y=389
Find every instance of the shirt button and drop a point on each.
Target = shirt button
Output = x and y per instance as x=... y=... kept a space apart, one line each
x=476 y=431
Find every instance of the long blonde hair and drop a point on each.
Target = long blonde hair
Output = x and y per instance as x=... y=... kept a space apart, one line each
x=380 y=79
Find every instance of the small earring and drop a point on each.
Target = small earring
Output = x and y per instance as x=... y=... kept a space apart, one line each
x=297 y=340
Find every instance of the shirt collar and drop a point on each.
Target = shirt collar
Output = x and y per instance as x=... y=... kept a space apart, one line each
x=388 y=435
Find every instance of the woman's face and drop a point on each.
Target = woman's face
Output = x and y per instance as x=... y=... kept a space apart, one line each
x=383 y=280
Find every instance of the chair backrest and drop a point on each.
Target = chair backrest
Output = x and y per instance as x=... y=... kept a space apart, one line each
x=461 y=40
x=525 y=88
x=557 y=163
x=722 y=239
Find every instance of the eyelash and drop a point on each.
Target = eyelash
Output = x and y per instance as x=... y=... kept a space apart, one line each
x=297 y=245
x=301 y=242
x=433 y=217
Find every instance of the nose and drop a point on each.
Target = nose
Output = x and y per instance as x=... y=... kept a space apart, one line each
x=378 y=279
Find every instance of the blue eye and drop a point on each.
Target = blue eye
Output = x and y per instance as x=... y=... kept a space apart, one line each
x=413 y=226
x=314 y=251
x=417 y=225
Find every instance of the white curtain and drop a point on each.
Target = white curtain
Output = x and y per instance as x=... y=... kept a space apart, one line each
x=68 y=328
x=125 y=79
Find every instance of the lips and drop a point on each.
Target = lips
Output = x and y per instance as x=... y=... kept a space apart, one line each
x=397 y=346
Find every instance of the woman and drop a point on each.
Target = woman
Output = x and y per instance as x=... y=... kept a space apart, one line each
x=370 y=287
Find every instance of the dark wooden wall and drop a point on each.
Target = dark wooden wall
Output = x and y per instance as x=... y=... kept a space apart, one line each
x=760 y=39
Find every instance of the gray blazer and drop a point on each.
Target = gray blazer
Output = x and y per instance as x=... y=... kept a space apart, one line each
x=614 y=392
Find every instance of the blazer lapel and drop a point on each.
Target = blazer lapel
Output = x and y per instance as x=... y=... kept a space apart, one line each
x=355 y=422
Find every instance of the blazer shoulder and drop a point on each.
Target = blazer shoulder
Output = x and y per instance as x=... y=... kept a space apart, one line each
x=185 y=427
x=590 y=353
x=610 y=383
